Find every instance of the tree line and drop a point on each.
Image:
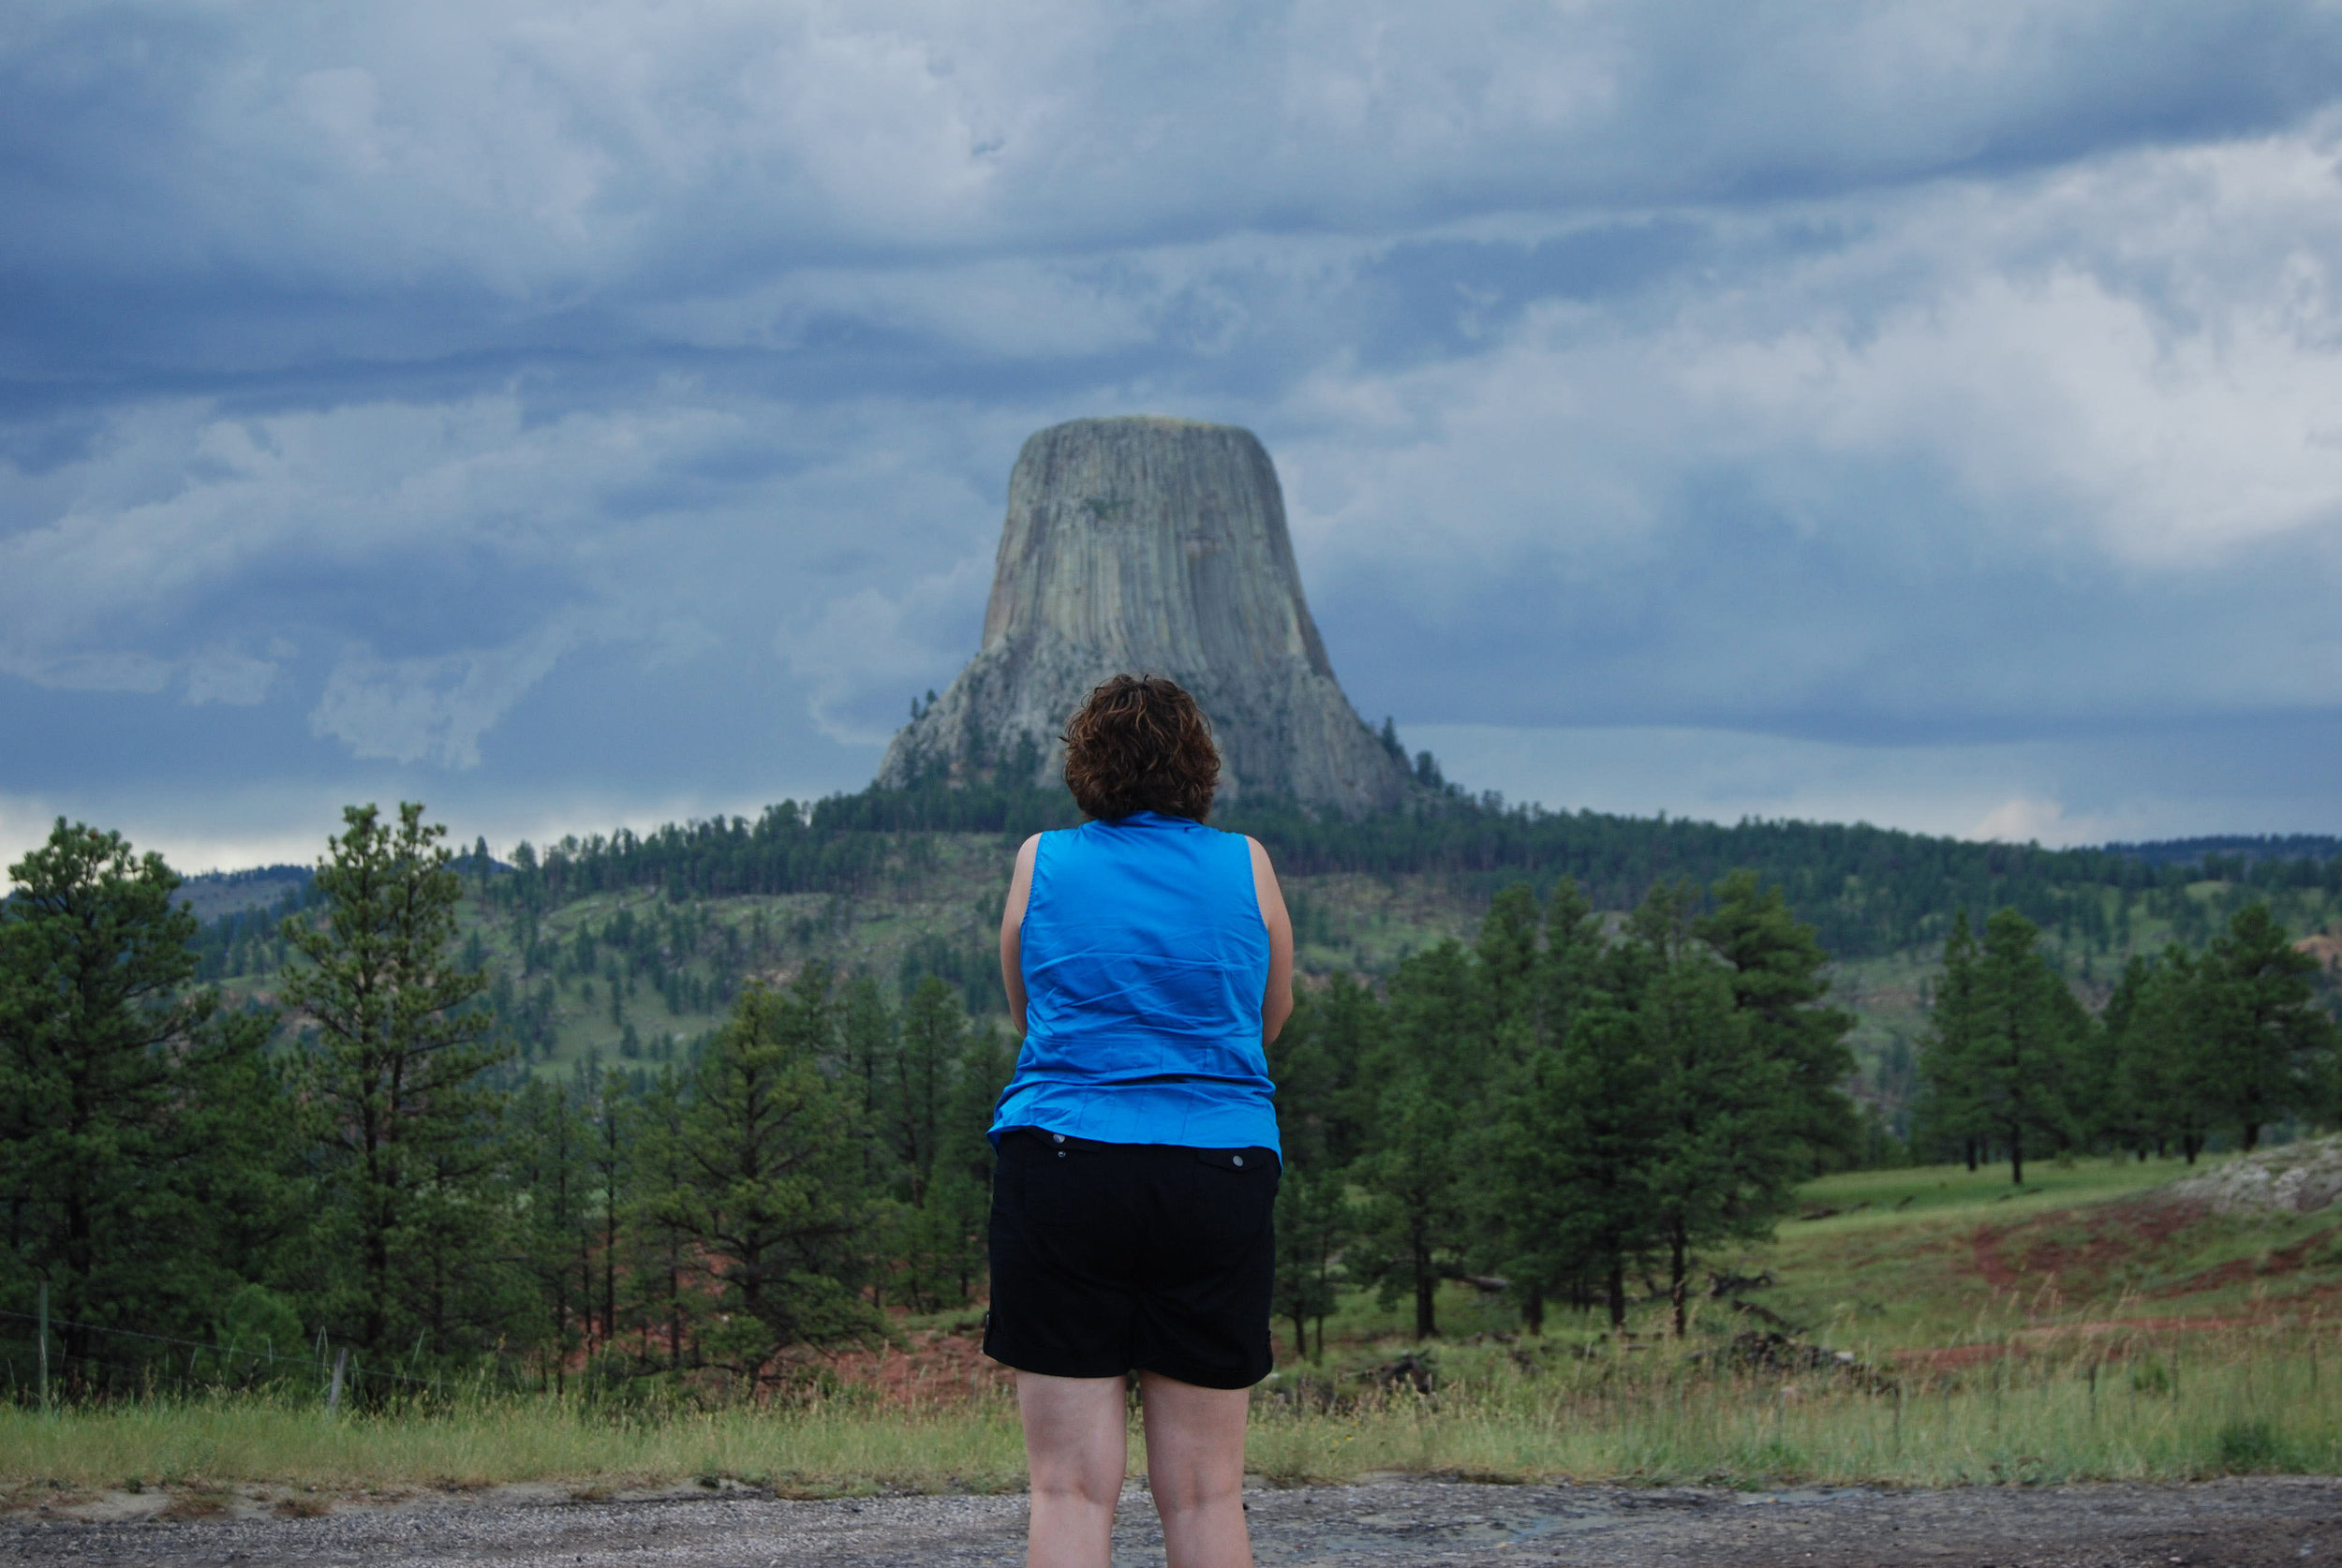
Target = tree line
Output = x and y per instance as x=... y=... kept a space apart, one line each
x=1564 y=1103
x=2229 y=1040
x=364 y=1168
x=1563 y=1107
x=1864 y=890
x=1572 y=1108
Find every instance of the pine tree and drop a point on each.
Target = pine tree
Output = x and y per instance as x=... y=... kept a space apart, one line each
x=663 y=1249
x=1576 y=954
x=1780 y=983
x=1506 y=995
x=136 y=1120
x=914 y=1118
x=1953 y=1111
x=2028 y=1025
x=547 y=1146
x=918 y=1082
x=402 y=1112
x=2103 y=1116
x=1430 y=1069
x=962 y=1193
x=2268 y=1045
x=1320 y=1063
x=1507 y=968
x=1582 y=1135
x=1416 y=1212
x=2167 y=1072
x=867 y=1041
x=612 y=1132
x=772 y=1194
x=1315 y=1222
x=1731 y=1108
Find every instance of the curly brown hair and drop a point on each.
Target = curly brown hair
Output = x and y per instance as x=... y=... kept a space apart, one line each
x=1140 y=744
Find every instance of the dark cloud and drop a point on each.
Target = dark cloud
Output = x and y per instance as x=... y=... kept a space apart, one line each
x=611 y=410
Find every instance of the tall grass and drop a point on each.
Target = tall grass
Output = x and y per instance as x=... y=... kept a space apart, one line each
x=2142 y=1409
x=814 y=1448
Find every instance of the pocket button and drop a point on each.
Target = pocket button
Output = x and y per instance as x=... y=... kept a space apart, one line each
x=1237 y=1160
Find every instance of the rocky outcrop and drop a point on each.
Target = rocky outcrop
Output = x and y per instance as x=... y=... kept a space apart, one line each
x=2295 y=1178
x=1153 y=546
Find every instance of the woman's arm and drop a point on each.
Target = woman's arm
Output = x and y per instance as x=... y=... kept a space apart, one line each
x=1012 y=935
x=1277 y=1006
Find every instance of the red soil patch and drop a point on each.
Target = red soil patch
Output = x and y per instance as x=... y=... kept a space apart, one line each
x=2236 y=1271
x=2324 y=946
x=930 y=1369
x=2119 y=1232
x=2021 y=1256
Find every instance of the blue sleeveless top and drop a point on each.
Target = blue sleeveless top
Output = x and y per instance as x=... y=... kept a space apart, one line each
x=1145 y=962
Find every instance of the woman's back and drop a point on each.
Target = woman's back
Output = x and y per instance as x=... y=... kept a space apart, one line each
x=1144 y=959
x=1148 y=959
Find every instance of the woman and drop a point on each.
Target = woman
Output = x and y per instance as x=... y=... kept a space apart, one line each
x=1149 y=961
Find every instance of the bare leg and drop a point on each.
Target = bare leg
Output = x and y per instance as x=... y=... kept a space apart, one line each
x=1196 y=1467
x=1077 y=1440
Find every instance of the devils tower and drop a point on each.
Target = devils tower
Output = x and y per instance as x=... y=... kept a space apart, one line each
x=1155 y=546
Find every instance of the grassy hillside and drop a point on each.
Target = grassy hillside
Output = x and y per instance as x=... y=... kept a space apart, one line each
x=1935 y=1266
x=929 y=904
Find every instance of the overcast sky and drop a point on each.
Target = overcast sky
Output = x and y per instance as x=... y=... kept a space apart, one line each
x=601 y=412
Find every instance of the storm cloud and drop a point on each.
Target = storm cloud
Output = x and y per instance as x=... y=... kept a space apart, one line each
x=579 y=414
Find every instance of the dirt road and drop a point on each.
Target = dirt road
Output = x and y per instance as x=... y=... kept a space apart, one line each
x=2236 y=1524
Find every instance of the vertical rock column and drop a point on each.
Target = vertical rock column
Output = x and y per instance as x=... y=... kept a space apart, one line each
x=1153 y=546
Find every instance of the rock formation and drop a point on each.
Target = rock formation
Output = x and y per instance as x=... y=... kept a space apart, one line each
x=2292 y=1178
x=1153 y=546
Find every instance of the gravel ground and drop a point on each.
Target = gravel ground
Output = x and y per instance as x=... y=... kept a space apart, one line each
x=2245 y=1523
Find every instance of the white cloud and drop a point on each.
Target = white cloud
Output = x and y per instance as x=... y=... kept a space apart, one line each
x=1989 y=398
x=2024 y=822
x=230 y=676
x=540 y=152
x=457 y=551
x=410 y=710
x=861 y=655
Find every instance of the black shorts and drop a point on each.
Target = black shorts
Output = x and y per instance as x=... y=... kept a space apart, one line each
x=1108 y=1258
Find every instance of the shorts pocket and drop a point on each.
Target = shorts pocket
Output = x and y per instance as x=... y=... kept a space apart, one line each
x=1231 y=1196
x=1255 y=1160
x=1057 y=1187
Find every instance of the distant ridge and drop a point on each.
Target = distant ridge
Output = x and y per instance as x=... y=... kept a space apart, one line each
x=214 y=894
x=1867 y=890
x=2243 y=847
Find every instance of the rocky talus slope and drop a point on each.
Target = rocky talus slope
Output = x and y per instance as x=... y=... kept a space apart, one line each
x=1153 y=546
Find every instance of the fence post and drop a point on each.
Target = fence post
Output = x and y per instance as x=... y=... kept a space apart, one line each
x=44 y=1346
x=334 y=1395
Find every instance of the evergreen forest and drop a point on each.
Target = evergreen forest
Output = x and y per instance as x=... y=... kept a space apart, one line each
x=681 y=1109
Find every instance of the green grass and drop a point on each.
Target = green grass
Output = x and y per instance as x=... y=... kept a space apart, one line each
x=2142 y=1410
x=1939 y=1257
x=2235 y=1408
x=1893 y=1266
x=816 y=1449
x=2079 y=1328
